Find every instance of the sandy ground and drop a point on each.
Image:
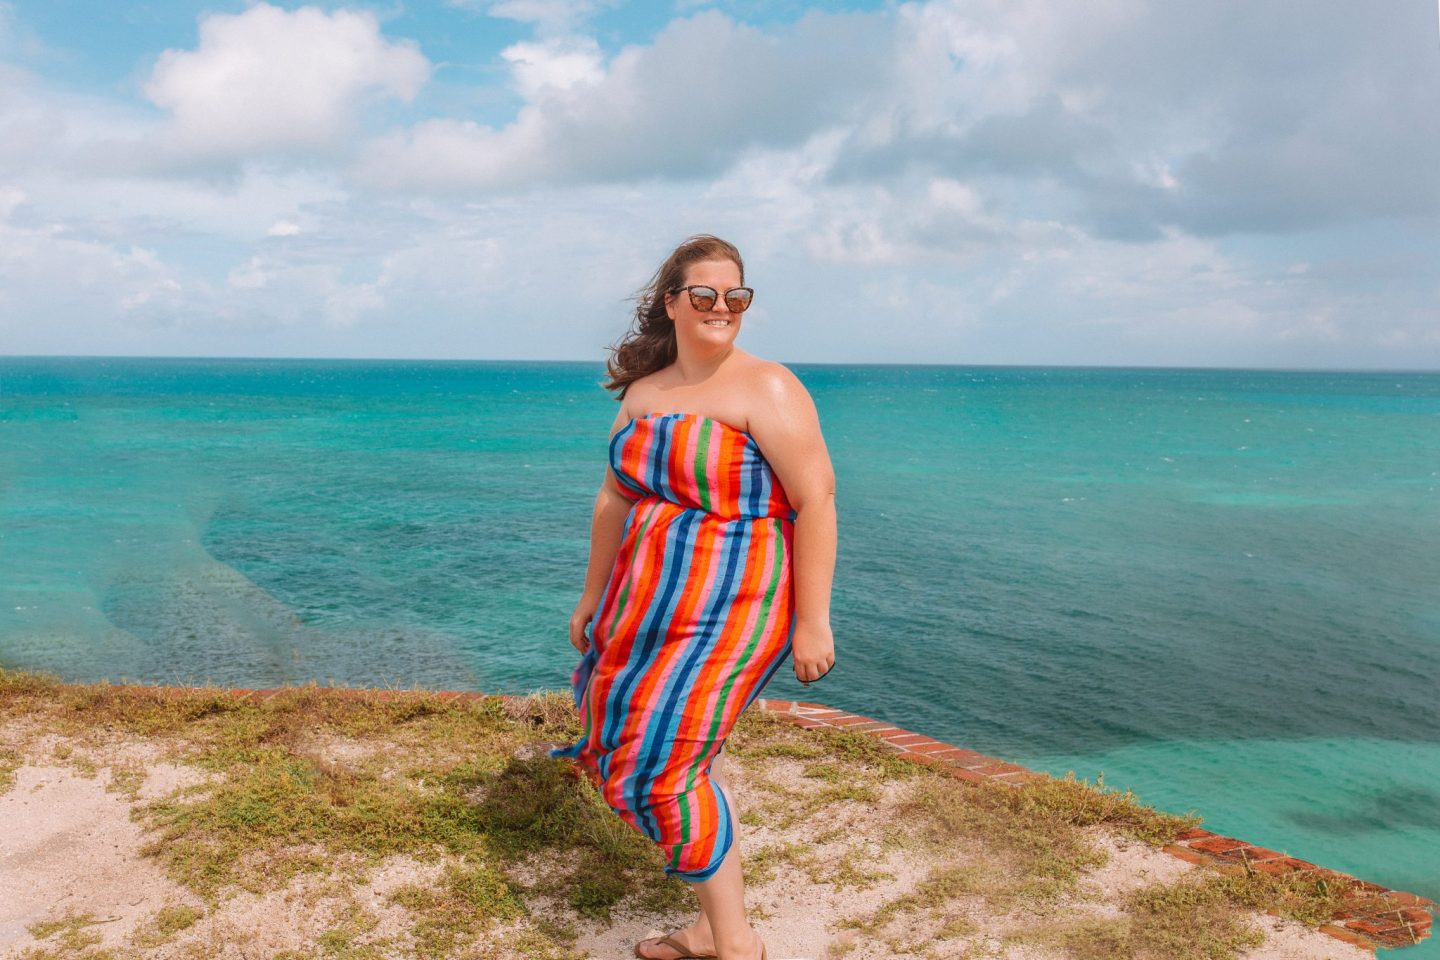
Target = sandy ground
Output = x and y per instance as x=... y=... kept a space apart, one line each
x=68 y=845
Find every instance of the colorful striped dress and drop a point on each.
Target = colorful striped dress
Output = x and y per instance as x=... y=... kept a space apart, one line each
x=696 y=617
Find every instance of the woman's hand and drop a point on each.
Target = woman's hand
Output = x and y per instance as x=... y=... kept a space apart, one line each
x=584 y=612
x=813 y=651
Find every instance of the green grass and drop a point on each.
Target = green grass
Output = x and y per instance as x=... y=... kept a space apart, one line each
x=434 y=780
x=332 y=783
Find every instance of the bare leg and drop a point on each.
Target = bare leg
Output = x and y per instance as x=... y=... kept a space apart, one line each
x=721 y=927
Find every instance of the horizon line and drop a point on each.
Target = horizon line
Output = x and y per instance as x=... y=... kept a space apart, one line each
x=798 y=363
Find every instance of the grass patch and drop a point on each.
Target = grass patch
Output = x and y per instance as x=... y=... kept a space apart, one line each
x=333 y=782
x=10 y=761
x=70 y=938
x=318 y=781
x=165 y=924
x=1187 y=920
x=469 y=898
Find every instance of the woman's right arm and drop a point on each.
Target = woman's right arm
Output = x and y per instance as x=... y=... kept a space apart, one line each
x=607 y=527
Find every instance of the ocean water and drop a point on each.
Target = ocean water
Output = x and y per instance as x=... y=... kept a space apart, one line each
x=1220 y=588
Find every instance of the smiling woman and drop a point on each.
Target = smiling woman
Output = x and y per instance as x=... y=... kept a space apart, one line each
x=710 y=563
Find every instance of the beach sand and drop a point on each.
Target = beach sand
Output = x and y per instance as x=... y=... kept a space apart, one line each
x=827 y=856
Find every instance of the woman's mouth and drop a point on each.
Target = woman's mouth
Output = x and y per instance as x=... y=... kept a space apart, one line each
x=717 y=323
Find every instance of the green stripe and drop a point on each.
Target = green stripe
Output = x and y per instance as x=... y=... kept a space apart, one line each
x=684 y=827
x=745 y=657
x=700 y=481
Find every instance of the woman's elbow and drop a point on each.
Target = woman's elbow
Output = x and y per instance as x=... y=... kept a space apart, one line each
x=820 y=498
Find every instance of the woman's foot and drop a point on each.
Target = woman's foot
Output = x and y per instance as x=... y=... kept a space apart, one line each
x=676 y=946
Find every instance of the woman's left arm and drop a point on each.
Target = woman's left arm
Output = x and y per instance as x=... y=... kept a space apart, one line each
x=787 y=428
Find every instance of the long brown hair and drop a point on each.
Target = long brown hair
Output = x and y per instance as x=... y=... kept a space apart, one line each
x=649 y=345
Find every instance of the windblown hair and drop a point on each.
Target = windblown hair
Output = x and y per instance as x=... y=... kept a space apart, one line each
x=649 y=345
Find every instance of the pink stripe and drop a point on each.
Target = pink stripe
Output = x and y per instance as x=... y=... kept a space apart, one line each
x=710 y=704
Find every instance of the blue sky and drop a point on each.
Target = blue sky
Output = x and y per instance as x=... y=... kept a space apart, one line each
x=1235 y=183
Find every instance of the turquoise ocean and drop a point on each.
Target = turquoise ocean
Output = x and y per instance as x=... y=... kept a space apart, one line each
x=1218 y=587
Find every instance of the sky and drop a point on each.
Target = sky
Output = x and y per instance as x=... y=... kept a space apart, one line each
x=1236 y=183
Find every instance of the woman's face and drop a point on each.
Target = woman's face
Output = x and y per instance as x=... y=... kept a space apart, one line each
x=709 y=328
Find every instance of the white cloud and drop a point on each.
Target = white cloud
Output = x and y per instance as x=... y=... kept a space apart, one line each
x=79 y=293
x=549 y=16
x=10 y=200
x=270 y=79
x=298 y=292
x=653 y=113
x=554 y=65
x=983 y=181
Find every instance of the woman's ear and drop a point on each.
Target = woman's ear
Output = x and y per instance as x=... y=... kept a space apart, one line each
x=670 y=306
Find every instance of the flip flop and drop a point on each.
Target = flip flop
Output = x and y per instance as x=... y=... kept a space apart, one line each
x=682 y=951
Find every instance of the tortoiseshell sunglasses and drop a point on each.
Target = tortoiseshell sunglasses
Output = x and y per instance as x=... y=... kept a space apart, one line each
x=703 y=298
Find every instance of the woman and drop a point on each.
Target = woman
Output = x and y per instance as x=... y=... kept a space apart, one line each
x=709 y=562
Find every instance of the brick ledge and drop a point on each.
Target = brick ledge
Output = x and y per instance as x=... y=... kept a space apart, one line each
x=1405 y=921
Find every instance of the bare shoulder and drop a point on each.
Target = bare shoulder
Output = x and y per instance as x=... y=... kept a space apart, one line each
x=778 y=391
x=779 y=400
x=639 y=394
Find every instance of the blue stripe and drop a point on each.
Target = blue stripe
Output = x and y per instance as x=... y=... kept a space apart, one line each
x=651 y=634
x=617 y=451
x=724 y=838
x=674 y=697
x=659 y=478
x=642 y=650
x=760 y=488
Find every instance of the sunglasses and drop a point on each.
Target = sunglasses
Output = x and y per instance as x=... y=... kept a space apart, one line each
x=702 y=298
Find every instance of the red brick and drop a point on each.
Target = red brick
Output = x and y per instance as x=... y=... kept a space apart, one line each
x=1348 y=936
x=893 y=733
x=1239 y=854
x=929 y=746
x=807 y=723
x=1357 y=884
x=959 y=773
x=959 y=756
x=1259 y=854
x=851 y=720
x=872 y=727
x=829 y=714
x=1282 y=866
x=1403 y=899
x=968 y=758
x=1397 y=938
x=999 y=767
x=1216 y=844
x=779 y=706
x=908 y=739
x=1194 y=833
x=1184 y=853
x=805 y=706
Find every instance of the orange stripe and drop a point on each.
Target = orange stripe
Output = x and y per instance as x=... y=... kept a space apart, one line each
x=699 y=720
